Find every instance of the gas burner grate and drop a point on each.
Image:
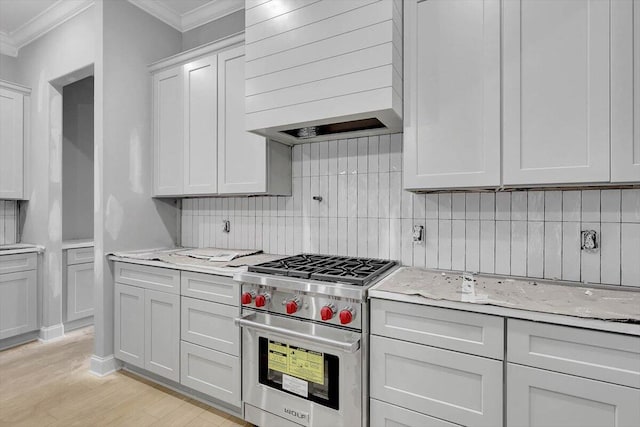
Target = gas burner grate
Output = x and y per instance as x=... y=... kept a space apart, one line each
x=357 y=271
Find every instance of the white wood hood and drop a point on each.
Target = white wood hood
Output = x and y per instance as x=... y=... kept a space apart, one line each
x=313 y=63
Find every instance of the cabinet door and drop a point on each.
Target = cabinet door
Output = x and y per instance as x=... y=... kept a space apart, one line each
x=555 y=91
x=211 y=372
x=79 y=291
x=243 y=155
x=18 y=303
x=168 y=132
x=452 y=386
x=162 y=334
x=200 y=126
x=538 y=398
x=625 y=91
x=129 y=324
x=452 y=94
x=11 y=144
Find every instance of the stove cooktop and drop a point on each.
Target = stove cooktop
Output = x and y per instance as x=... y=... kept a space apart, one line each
x=356 y=271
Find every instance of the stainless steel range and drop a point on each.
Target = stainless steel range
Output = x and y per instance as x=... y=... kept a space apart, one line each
x=305 y=326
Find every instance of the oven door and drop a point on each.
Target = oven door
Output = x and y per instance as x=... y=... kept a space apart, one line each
x=301 y=371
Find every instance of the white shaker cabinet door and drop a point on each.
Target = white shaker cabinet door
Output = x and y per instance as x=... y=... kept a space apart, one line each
x=538 y=398
x=200 y=126
x=452 y=94
x=162 y=334
x=80 y=292
x=556 y=91
x=18 y=303
x=129 y=324
x=243 y=155
x=11 y=144
x=168 y=132
x=625 y=91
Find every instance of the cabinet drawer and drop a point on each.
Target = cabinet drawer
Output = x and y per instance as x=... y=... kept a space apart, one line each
x=155 y=278
x=79 y=255
x=210 y=287
x=210 y=372
x=18 y=262
x=387 y=415
x=542 y=398
x=452 y=386
x=592 y=354
x=471 y=333
x=210 y=324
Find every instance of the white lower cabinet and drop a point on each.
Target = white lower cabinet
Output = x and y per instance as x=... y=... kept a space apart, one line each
x=80 y=293
x=387 y=415
x=147 y=328
x=162 y=334
x=129 y=324
x=211 y=372
x=539 y=398
x=18 y=303
x=444 y=384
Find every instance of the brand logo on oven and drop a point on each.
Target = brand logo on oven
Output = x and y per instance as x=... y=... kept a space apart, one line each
x=302 y=416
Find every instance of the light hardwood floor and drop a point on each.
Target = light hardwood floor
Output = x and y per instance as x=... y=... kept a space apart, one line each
x=50 y=385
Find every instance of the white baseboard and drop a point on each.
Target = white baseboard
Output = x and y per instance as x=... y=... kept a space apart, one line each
x=102 y=366
x=50 y=333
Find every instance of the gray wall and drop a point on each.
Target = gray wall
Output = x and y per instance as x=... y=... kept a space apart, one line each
x=64 y=50
x=77 y=160
x=220 y=28
x=126 y=215
x=9 y=68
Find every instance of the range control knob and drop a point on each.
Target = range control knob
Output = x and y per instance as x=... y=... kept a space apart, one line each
x=247 y=297
x=292 y=306
x=261 y=300
x=346 y=316
x=327 y=312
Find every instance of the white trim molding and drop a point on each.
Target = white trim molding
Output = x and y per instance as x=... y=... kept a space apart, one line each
x=50 y=333
x=56 y=14
x=214 y=9
x=103 y=366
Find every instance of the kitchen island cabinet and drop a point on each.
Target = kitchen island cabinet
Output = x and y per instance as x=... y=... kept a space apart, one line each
x=201 y=146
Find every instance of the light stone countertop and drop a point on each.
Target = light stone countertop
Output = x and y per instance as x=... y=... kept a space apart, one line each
x=77 y=244
x=167 y=258
x=20 y=248
x=538 y=300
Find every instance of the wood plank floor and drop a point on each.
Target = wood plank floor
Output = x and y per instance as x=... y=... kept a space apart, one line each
x=50 y=385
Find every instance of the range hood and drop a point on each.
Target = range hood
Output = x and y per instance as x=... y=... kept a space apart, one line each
x=318 y=70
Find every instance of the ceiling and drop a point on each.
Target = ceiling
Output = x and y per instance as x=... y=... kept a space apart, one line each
x=23 y=21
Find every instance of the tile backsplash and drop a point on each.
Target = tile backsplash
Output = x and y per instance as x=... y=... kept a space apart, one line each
x=365 y=212
x=8 y=222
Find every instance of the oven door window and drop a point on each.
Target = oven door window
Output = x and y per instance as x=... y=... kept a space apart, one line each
x=296 y=370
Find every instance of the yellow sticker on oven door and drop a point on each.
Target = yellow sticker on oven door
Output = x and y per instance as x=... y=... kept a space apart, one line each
x=298 y=362
x=306 y=364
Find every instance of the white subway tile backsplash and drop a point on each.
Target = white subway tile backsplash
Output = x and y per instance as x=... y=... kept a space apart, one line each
x=631 y=205
x=630 y=253
x=365 y=212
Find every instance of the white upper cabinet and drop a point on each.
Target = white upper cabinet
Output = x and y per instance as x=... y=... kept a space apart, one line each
x=13 y=141
x=452 y=94
x=201 y=146
x=625 y=91
x=201 y=126
x=168 y=132
x=556 y=91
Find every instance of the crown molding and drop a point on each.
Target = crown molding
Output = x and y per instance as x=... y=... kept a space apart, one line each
x=208 y=12
x=56 y=14
x=159 y=11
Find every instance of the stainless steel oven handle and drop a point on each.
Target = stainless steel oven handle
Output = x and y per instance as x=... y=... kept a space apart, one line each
x=348 y=347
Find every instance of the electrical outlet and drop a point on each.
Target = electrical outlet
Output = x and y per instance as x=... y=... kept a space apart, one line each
x=226 y=226
x=418 y=234
x=589 y=239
